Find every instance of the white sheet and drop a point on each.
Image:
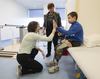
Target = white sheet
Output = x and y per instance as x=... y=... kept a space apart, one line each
x=88 y=59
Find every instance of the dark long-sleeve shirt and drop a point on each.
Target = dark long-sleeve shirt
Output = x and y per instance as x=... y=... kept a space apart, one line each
x=56 y=16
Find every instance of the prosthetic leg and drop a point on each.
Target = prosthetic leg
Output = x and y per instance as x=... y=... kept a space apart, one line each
x=52 y=63
x=59 y=51
x=57 y=55
x=55 y=51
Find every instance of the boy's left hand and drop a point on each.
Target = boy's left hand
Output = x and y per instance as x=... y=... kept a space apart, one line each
x=59 y=34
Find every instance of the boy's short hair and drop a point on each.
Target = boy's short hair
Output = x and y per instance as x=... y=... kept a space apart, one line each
x=73 y=14
x=50 y=5
x=32 y=26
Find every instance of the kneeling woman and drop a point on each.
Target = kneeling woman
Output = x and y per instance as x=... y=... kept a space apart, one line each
x=28 y=50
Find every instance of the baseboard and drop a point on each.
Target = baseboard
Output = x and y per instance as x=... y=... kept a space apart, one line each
x=18 y=38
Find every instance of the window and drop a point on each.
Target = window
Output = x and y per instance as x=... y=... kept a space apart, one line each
x=61 y=11
x=37 y=15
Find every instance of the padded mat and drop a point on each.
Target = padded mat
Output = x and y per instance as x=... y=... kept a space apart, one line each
x=9 y=51
x=6 y=56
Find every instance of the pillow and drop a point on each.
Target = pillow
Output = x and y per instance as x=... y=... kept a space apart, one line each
x=92 y=40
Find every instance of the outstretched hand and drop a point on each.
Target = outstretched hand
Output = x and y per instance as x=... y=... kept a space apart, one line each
x=54 y=24
x=43 y=55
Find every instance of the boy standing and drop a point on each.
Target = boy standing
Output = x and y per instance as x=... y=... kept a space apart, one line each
x=74 y=38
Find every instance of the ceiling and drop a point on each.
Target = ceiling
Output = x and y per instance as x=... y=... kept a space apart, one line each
x=38 y=4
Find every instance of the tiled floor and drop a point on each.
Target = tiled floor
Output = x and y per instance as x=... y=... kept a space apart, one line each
x=66 y=66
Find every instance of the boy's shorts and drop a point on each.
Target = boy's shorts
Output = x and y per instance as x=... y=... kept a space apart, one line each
x=74 y=43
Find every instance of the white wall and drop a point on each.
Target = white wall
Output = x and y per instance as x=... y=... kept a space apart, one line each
x=45 y=9
x=12 y=13
x=89 y=16
x=70 y=6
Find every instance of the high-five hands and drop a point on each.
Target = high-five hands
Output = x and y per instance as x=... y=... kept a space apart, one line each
x=54 y=24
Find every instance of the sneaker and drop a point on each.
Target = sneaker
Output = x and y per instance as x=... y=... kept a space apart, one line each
x=19 y=69
x=51 y=63
x=54 y=69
